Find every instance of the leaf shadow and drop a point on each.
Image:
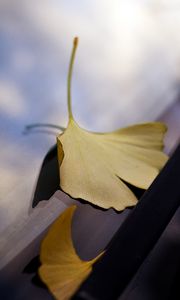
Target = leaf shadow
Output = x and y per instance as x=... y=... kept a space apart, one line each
x=32 y=268
x=48 y=179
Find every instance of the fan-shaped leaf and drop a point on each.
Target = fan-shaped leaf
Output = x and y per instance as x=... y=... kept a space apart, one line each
x=62 y=270
x=93 y=164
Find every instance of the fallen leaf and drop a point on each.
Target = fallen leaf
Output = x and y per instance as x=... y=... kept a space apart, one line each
x=95 y=166
x=62 y=270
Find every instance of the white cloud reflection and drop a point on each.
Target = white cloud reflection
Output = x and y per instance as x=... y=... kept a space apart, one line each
x=11 y=101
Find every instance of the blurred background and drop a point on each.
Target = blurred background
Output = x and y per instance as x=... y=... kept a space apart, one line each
x=127 y=70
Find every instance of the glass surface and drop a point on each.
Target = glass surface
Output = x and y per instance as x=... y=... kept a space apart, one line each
x=126 y=71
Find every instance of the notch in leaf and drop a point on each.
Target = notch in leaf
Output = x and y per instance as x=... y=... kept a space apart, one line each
x=93 y=164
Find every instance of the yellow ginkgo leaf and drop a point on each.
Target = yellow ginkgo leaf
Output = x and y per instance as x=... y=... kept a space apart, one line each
x=93 y=164
x=62 y=270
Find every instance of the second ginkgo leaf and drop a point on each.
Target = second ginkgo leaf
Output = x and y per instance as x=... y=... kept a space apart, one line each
x=62 y=270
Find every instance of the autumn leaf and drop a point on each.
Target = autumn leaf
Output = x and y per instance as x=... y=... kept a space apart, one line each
x=62 y=270
x=95 y=166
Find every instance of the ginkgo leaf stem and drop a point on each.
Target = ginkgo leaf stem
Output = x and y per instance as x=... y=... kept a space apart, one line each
x=32 y=126
x=70 y=77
